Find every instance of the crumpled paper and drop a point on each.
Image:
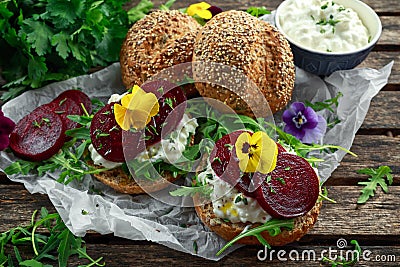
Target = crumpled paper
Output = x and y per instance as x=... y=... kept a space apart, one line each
x=144 y=218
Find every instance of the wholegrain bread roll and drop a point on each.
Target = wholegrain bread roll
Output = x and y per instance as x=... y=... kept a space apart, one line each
x=228 y=230
x=160 y=40
x=253 y=47
x=122 y=182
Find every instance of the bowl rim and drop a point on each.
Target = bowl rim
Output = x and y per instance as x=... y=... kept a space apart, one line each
x=361 y=49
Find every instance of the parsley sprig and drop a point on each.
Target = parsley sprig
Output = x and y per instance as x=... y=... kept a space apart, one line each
x=56 y=245
x=54 y=40
x=377 y=177
x=274 y=227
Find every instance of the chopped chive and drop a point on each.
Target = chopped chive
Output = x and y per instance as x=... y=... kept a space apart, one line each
x=62 y=102
x=229 y=146
x=281 y=180
x=218 y=159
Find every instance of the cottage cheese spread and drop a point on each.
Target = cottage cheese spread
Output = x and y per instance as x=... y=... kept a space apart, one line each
x=323 y=25
x=229 y=203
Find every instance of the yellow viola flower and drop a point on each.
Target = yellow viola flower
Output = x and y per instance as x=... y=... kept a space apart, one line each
x=136 y=110
x=256 y=153
x=200 y=9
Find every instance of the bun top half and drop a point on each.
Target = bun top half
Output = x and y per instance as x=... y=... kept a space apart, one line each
x=252 y=46
x=160 y=40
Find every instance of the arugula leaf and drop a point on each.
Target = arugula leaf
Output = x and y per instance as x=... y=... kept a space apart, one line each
x=272 y=226
x=341 y=261
x=377 y=177
x=20 y=166
x=167 y=5
x=205 y=190
x=139 y=11
x=327 y=104
x=301 y=149
x=257 y=11
x=58 y=240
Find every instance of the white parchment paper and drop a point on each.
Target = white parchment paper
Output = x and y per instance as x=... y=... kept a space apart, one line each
x=143 y=218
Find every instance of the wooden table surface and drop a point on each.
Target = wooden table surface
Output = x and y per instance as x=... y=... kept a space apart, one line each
x=375 y=225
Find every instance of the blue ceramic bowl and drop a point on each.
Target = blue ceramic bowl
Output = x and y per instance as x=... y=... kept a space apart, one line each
x=324 y=63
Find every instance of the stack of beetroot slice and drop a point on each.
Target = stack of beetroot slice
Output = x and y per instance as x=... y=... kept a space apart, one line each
x=40 y=134
x=116 y=145
x=289 y=191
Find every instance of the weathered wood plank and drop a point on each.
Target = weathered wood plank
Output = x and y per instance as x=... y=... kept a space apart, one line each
x=373 y=151
x=152 y=255
x=378 y=59
x=387 y=6
x=383 y=112
x=379 y=217
x=391 y=30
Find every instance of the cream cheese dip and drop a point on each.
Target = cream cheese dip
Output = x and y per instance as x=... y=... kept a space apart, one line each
x=323 y=26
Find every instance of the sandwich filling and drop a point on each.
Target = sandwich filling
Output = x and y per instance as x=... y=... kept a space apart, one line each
x=169 y=149
x=287 y=189
x=229 y=203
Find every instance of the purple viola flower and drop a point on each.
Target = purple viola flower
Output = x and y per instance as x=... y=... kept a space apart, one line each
x=6 y=127
x=304 y=123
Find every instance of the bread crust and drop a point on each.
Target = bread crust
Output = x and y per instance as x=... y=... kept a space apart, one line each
x=122 y=182
x=251 y=46
x=160 y=40
x=228 y=230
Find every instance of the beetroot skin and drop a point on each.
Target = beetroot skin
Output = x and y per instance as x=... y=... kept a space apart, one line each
x=79 y=97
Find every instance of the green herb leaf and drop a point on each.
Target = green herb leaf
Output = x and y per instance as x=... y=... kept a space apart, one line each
x=257 y=11
x=340 y=261
x=205 y=190
x=138 y=12
x=273 y=227
x=377 y=177
x=20 y=166
x=167 y=5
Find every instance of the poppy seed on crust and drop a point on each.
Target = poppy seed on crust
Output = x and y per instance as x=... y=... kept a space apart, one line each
x=253 y=47
x=160 y=40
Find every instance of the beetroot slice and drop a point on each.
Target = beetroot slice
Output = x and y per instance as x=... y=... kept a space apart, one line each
x=106 y=135
x=226 y=166
x=79 y=97
x=281 y=149
x=223 y=160
x=63 y=108
x=39 y=135
x=169 y=96
x=293 y=188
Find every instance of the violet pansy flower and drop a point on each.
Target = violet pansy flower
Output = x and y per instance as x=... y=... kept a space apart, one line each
x=6 y=127
x=304 y=123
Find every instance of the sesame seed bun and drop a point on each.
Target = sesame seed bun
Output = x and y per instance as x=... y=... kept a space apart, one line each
x=160 y=40
x=228 y=230
x=122 y=182
x=251 y=46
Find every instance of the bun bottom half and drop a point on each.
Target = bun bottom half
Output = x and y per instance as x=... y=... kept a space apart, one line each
x=121 y=182
x=228 y=230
